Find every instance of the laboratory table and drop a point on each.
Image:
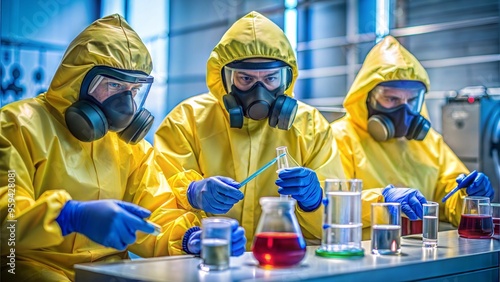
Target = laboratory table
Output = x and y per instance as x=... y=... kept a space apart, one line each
x=455 y=259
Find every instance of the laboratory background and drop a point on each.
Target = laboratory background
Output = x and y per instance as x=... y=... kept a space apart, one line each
x=457 y=41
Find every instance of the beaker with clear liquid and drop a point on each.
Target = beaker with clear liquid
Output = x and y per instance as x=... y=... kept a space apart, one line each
x=278 y=241
x=342 y=226
x=284 y=160
x=386 y=228
x=430 y=224
x=216 y=243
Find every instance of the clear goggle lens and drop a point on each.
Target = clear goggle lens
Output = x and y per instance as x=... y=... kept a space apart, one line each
x=102 y=87
x=386 y=98
x=244 y=79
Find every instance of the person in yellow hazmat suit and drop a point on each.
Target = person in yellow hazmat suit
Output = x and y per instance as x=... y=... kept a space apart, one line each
x=77 y=180
x=386 y=140
x=216 y=140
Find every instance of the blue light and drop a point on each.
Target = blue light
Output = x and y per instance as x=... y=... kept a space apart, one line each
x=290 y=4
x=291 y=22
x=382 y=19
x=109 y=7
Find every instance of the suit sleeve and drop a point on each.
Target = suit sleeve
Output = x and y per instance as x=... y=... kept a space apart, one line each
x=29 y=219
x=148 y=187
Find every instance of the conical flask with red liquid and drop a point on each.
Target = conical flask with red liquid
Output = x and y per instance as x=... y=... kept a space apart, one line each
x=278 y=241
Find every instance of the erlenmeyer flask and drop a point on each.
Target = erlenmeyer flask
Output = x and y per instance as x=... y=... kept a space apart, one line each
x=284 y=161
x=278 y=241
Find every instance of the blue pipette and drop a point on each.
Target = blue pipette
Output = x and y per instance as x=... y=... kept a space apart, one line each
x=260 y=170
x=466 y=182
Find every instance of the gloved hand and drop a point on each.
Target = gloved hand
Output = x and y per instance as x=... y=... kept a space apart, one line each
x=191 y=242
x=303 y=185
x=477 y=184
x=110 y=223
x=238 y=239
x=214 y=194
x=411 y=200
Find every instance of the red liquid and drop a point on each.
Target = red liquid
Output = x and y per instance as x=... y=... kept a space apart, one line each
x=278 y=249
x=409 y=227
x=475 y=226
x=496 y=223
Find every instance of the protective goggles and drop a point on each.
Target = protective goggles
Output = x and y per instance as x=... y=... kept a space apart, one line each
x=104 y=82
x=388 y=95
x=244 y=75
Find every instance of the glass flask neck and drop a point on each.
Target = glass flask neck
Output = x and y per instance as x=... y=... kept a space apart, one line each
x=274 y=203
x=285 y=160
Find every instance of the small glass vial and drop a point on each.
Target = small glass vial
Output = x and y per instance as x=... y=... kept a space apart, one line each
x=278 y=241
x=284 y=161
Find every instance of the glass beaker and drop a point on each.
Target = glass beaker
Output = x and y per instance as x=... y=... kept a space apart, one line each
x=216 y=243
x=386 y=228
x=342 y=227
x=410 y=227
x=430 y=224
x=495 y=214
x=476 y=221
x=278 y=241
x=284 y=161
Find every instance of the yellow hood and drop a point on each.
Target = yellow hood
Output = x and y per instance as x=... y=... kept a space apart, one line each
x=252 y=36
x=388 y=60
x=428 y=165
x=123 y=49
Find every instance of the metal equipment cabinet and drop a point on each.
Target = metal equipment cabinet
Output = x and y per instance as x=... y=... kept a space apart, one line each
x=471 y=127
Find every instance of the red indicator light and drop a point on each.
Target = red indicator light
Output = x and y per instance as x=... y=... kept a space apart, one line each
x=470 y=100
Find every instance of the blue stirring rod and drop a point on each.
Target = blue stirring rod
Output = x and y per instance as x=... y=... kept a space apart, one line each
x=260 y=170
x=462 y=184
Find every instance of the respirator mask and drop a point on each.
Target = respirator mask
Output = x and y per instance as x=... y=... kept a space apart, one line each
x=394 y=110
x=257 y=91
x=111 y=99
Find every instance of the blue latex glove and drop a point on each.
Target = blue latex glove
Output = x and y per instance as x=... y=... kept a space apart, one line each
x=238 y=239
x=478 y=186
x=303 y=185
x=411 y=200
x=110 y=223
x=192 y=240
x=214 y=194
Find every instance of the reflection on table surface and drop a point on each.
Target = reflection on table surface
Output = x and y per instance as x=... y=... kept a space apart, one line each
x=453 y=256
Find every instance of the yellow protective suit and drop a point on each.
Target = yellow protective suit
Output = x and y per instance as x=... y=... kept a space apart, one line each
x=196 y=138
x=42 y=165
x=428 y=165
